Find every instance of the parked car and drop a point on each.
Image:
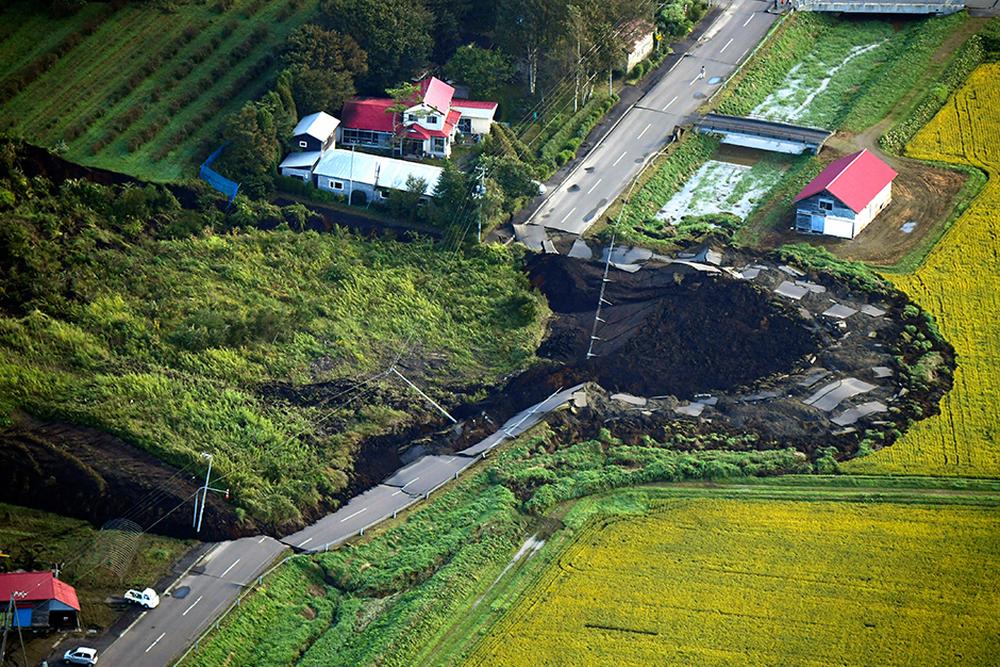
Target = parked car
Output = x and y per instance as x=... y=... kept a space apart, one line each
x=81 y=655
x=147 y=598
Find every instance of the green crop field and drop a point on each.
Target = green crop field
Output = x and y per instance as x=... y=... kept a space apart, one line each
x=142 y=89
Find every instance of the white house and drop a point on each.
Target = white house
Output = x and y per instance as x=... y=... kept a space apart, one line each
x=429 y=126
x=362 y=177
x=639 y=36
x=845 y=197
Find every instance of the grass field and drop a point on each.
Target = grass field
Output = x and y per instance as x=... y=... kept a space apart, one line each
x=959 y=283
x=151 y=104
x=753 y=581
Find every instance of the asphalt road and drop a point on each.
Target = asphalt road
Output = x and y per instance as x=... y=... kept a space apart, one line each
x=160 y=635
x=579 y=201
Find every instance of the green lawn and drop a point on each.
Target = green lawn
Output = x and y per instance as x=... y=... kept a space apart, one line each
x=146 y=92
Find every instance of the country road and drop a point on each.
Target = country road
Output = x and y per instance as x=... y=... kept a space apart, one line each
x=590 y=188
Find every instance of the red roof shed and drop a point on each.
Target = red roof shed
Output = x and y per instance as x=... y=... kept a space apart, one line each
x=854 y=179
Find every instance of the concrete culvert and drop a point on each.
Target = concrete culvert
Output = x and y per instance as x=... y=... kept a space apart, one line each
x=668 y=331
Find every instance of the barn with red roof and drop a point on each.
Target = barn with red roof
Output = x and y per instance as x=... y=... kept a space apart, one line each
x=40 y=600
x=428 y=127
x=845 y=197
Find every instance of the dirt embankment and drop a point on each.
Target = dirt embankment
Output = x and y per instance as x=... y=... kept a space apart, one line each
x=89 y=474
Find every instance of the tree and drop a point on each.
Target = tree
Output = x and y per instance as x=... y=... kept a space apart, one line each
x=396 y=35
x=525 y=28
x=403 y=97
x=323 y=65
x=318 y=90
x=452 y=194
x=482 y=70
x=405 y=204
x=253 y=151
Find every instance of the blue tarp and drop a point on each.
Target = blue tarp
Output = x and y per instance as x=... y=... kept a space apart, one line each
x=23 y=618
x=217 y=180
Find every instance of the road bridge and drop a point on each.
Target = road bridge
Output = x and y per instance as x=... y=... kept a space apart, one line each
x=764 y=134
x=882 y=6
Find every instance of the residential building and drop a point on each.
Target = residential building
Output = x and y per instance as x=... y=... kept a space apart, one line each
x=315 y=133
x=639 y=37
x=429 y=126
x=845 y=197
x=40 y=600
x=364 y=178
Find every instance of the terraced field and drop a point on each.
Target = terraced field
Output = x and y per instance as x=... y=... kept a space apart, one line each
x=152 y=103
x=960 y=284
x=738 y=581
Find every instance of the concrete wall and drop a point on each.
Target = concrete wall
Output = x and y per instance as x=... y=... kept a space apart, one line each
x=304 y=174
x=640 y=51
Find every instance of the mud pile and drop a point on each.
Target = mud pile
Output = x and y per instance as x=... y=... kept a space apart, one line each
x=668 y=331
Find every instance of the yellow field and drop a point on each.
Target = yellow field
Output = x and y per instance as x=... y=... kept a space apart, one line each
x=960 y=284
x=745 y=582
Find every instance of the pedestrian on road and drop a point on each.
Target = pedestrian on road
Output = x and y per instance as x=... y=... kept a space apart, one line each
x=702 y=74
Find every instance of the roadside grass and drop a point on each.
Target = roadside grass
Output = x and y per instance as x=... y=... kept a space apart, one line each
x=759 y=580
x=958 y=283
x=37 y=540
x=787 y=71
x=151 y=106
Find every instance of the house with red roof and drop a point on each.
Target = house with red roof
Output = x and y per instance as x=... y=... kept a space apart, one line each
x=430 y=126
x=39 y=600
x=845 y=197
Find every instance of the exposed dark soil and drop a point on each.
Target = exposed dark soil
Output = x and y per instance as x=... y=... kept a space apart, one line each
x=89 y=474
x=669 y=331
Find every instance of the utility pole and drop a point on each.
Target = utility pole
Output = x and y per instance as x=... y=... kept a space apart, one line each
x=204 y=494
x=425 y=396
x=478 y=193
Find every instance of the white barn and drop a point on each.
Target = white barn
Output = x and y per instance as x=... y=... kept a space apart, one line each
x=362 y=176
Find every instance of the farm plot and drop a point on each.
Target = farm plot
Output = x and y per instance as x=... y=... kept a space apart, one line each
x=721 y=187
x=139 y=89
x=738 y=581
x=959 y=283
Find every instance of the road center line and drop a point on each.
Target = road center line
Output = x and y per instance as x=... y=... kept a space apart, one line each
x=615 y=163
x=261 y=540
x=567 y=215
x=353 y=515
x=453 y=458
x=148 y=648
x=748 y=20
x=396 y=494
x=670 y=102
x=691 y=82
x=226 y=571
x=594 y=186
x=192 y=605
x=744 y=52
x=305 y=542
x=648 y=125
x=727 y=45
x=418 y=476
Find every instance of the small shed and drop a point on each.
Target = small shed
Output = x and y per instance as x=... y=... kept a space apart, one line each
x=315 y=132
x=40 y=600
x=845 y=197
x=300 y=165
x=639 y=37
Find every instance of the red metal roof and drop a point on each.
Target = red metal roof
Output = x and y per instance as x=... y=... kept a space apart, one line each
x=436 y=93
x=368 y=114
x=853 y=179
x=37 y=587
x=473 y=104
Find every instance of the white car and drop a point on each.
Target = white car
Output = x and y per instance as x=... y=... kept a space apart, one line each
x=147 y=598
x=81 y=655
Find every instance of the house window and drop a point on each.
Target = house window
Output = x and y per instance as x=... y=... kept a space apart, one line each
x=825 y=205
x=432 y=120
x=465 y=125
x=439 y=144
x=411 y=118
x=303 y=144
x=338 y=185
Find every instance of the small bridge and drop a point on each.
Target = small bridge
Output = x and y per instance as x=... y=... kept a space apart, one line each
x=882 y=6
x=764 y=134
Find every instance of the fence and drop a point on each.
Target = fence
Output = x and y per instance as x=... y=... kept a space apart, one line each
x=215 y=179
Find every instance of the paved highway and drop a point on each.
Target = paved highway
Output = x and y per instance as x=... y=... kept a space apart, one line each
x=160 y=635
x=579 y=201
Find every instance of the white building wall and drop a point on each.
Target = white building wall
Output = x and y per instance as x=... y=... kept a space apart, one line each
x=875 y=206
x=344 y=187
x=640 y=50
x=480 y=125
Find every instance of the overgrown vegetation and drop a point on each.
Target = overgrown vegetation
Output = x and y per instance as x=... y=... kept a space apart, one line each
x=171 y=328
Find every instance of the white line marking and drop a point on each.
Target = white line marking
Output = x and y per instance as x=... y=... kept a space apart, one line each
x=155 y=643
x=744 y=52
x=261 y=540
x=726 y=46
x=305 y=542
x=353 y=515
x=132 y=625
x=453 y=458
x=615 y=163
x=226 y=571
x=594 y=186
x=670 y=102
x=560 y=222
x=192 y=605
x=691 y=82
x=748 y=20
x=418 y=476
x=396 y=494
x=643 y=131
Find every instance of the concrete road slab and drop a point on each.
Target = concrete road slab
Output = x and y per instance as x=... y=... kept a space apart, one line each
x=828 y=397
x=839 y=311
x=791 y=290
x=852 y=415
